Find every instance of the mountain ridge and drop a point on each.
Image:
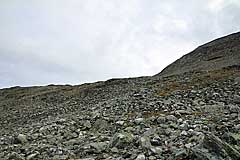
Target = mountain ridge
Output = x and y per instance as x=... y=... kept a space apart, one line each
x=216 y=54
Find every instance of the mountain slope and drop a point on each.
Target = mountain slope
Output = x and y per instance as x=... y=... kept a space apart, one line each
x=195 y=115
x=222 y=52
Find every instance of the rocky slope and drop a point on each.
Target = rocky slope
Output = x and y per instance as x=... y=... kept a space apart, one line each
x=195 y=115
x=222 y=52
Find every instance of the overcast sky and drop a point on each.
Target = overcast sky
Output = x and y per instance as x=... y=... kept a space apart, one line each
x=76 y=41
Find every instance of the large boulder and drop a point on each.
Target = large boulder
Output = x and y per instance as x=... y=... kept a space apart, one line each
x=213 y=147
x=121 y=140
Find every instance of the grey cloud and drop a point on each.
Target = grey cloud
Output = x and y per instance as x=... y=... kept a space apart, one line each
x=16 y=69
x=69 y=41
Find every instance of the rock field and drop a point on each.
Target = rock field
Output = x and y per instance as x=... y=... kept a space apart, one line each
x=195 y=115
x=143 y=118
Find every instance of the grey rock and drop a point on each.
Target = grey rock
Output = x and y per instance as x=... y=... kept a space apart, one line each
x=235 y=138
x=215 y=109
x=182 y=112
x=60 y=157
x=141 y=157
x=120 y=122
x=121 y=140
x=180 y=120
x=32 y=156
x=61 y=121
x=99 y=146
x=156 y=150
x=237 y=80
x=213 y=147
x=145 y=142
x=181 y=154
x=22 y=138
x=87 y=124
x=237 y=127
x=152 y=158
x=15 y=156
x=183 y=126
x=236 y=99
x=100 y=125
x=171 y=118
x=139 y=120
x=234 y=109
x=161 y=120
x=114 y=150
x=75 y=141
x=189 y=145
x=183 y=133
x=156 y=141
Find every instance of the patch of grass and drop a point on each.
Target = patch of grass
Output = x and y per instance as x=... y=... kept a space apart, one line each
x=172 y=87
x=153 y=114
x=197 y=80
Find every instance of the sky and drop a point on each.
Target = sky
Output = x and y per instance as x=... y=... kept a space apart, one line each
x=76 y=41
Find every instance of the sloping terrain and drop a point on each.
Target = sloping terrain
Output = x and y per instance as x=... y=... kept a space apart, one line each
x=195 y=115
x=222 y=52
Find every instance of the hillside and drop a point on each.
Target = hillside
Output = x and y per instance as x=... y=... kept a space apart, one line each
x=195 y=115
x=219 y=53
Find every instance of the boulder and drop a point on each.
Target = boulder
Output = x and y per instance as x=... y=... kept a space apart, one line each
x=121 y=140
x=213 y=147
